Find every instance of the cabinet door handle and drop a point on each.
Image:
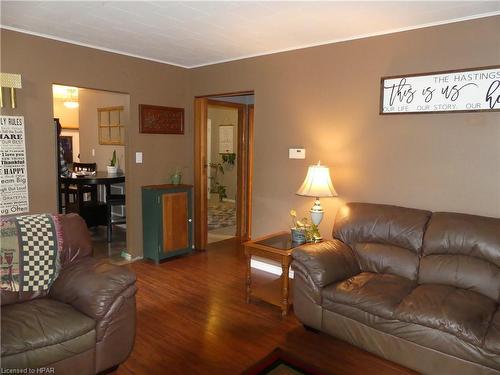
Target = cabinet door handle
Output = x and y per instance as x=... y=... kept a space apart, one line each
x=190 y=220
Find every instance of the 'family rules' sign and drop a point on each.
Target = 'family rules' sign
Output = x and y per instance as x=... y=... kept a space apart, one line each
x=453 y=91
x=14 y=197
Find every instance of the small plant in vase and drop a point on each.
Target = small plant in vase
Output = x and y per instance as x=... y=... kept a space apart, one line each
x=112 y=167
x=176 y=177
x=298 y=228
x=302 y=231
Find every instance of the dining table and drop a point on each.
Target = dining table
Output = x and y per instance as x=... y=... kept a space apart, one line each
x=84 y=181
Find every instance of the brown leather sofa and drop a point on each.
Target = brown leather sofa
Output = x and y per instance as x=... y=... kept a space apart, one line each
x=85 y=324
x=418 y=288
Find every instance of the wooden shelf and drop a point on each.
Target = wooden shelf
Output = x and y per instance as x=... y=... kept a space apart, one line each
x=272 y=293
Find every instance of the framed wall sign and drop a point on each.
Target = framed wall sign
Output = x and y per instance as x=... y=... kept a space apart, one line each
x=465 y=90
x=14 y=197
x=155 y=119
x=226 y=139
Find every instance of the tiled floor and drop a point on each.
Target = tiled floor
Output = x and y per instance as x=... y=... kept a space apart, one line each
x=215 y=209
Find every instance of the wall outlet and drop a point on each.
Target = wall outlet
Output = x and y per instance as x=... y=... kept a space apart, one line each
x=138 y=157
x=296 y=153
x=93 y=152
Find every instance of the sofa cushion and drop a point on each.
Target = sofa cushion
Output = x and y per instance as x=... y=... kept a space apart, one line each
x=463 y=272
x=462 y=251
x=458 y=351
x=378 y=294
x=43 y=322
x=492 y=341
x=463 y=313
x=379 y=223
x=380 y=258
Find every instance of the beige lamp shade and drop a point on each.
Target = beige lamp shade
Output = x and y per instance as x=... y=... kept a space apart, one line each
x=317 y=183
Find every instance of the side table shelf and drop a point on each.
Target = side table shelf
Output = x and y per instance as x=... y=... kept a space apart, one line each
x=277 y=247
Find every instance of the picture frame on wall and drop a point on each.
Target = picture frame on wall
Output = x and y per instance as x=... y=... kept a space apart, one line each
x=155 y=119
x=67 y=146
x=460 y=90
x=226 y=139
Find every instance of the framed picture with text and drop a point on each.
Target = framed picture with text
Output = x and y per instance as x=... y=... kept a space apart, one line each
x=155 y=119
x=462 y=90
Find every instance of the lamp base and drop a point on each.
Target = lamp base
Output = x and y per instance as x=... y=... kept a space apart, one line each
x=317 y=212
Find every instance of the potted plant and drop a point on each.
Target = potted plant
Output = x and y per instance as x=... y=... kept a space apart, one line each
x=112 y=167
x=229 y=159
x=221 y=191
x=302 y=231
x=215 y=186
x=176 y=178
x=298 y=228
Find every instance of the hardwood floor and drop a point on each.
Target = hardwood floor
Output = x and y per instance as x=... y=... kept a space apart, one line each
x=109 y=250
x=192 y=319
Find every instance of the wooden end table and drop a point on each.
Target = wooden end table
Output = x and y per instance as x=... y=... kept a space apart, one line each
x=277 y=247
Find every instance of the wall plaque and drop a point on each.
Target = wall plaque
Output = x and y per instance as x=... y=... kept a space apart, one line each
x=161 y=120
x=465 y=90
x=14 y=198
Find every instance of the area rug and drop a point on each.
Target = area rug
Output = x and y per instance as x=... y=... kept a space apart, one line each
x=279 y=362
x=221 y=216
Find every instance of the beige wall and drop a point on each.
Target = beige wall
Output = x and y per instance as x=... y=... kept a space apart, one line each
x=225 y=116
x=90 y=101
x=43 y=62
x=68 y=117
x=326 y=99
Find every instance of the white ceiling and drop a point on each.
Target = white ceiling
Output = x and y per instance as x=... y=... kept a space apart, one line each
x=191 y=34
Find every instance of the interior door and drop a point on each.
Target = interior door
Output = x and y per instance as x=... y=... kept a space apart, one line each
x=200 y=173
x=249 y=181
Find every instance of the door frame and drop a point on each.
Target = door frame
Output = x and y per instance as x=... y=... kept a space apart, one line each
x=244 y=165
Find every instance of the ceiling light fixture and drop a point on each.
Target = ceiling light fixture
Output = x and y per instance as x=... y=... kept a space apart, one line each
x=71 y=104
x=68 y=94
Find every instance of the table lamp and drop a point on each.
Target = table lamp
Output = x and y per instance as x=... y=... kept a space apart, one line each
x=317 y=184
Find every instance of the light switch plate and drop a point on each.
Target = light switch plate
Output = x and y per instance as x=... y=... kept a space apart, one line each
x=138 y=157
x=296 y=153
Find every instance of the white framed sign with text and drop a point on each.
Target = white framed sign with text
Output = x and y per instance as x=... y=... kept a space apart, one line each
x=466 y=90
x=14 y=198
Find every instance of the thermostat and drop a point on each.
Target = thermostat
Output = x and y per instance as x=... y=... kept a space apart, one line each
x=296 y=153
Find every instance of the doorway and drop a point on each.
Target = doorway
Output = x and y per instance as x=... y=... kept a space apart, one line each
x=90 y=127
x=223 y=167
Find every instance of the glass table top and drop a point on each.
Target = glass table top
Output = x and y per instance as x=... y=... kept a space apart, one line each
x=281 y=242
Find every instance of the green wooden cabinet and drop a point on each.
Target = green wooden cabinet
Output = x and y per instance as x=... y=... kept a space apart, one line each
x=167 y=221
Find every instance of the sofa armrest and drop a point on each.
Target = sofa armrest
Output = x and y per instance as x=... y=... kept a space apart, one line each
x=327 y=262
x=91 y=286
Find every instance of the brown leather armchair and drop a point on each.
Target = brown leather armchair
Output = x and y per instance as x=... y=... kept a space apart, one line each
x=85 y=324
x=418 y=288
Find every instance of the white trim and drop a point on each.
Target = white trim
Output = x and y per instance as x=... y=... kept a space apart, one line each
x=47 y=36
x=268 y=267
x=361 y=36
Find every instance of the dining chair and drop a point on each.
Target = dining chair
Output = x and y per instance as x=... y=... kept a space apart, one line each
x=84 y=167
x=111 y=201
x=87 y=192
